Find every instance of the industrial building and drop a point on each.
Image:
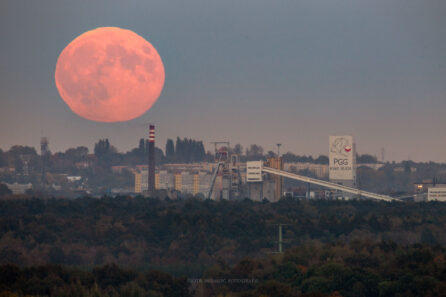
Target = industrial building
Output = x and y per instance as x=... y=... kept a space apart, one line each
x=429 y=190
x=261 y=185
x=275 y=180
x=202 y=182
x=184 y=181
x=263 y=177
x=221 y=180
x=436 y=194
x=226 y=181
x=319 y=170
x=229 y=179
x=253 y=168
x=17 y=188
x=422 y=187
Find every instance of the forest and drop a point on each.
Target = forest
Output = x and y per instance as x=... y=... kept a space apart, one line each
x=193 y=233
x=354 y=269
x=123 y=246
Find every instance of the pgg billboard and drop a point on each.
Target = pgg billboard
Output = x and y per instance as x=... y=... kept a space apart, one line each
x=342 y=156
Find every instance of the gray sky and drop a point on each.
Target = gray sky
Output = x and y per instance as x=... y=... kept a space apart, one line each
x=248 y=71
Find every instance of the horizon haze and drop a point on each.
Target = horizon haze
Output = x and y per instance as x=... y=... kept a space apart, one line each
x=251 y=72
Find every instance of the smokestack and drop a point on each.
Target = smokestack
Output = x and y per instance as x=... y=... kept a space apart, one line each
x=151 y=164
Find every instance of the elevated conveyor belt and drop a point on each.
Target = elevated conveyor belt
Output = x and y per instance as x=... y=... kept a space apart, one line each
x=327 y=184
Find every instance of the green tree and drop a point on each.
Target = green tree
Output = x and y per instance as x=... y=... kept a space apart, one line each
x=56 y=255
x=366 y=159
x=76 y=154
x=142 y=149
x=112 y=275
x=322 y=159
x=104 y=152
x=238 y=149
x=170 y=150
x=254 y=152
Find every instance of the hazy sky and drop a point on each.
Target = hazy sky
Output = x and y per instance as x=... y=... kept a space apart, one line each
x=248 y=71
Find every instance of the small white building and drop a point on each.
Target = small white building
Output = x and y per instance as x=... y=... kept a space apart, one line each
x=73 y=178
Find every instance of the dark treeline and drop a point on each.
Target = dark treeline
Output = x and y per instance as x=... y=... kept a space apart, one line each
x=185 y=151
x=108 y=280
x=140 y=231
x=105 y=155
x=24 y=158
x=355 y=269
x=291 y=158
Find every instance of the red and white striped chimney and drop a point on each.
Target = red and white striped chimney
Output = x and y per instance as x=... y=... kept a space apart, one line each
x=151 y=163
x=152 y=133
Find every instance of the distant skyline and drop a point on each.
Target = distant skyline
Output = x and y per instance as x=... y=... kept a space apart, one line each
x=251 y=72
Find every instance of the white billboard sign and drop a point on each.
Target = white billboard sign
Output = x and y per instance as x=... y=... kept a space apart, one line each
x=254 y=171
x=342 y=158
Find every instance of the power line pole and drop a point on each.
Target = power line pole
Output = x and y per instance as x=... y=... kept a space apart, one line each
x=280 y=237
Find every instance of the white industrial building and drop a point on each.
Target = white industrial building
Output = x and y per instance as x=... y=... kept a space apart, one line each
x=436 y=194
x=18 y=189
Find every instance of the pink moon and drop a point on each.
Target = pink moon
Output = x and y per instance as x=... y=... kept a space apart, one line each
x=109 y=74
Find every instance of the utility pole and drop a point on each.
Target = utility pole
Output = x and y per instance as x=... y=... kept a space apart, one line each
x=280 y=237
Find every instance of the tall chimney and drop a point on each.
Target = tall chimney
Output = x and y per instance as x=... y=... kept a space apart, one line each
x=151 y=164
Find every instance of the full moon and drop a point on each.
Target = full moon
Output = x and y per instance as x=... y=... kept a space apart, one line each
x=109 y=74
